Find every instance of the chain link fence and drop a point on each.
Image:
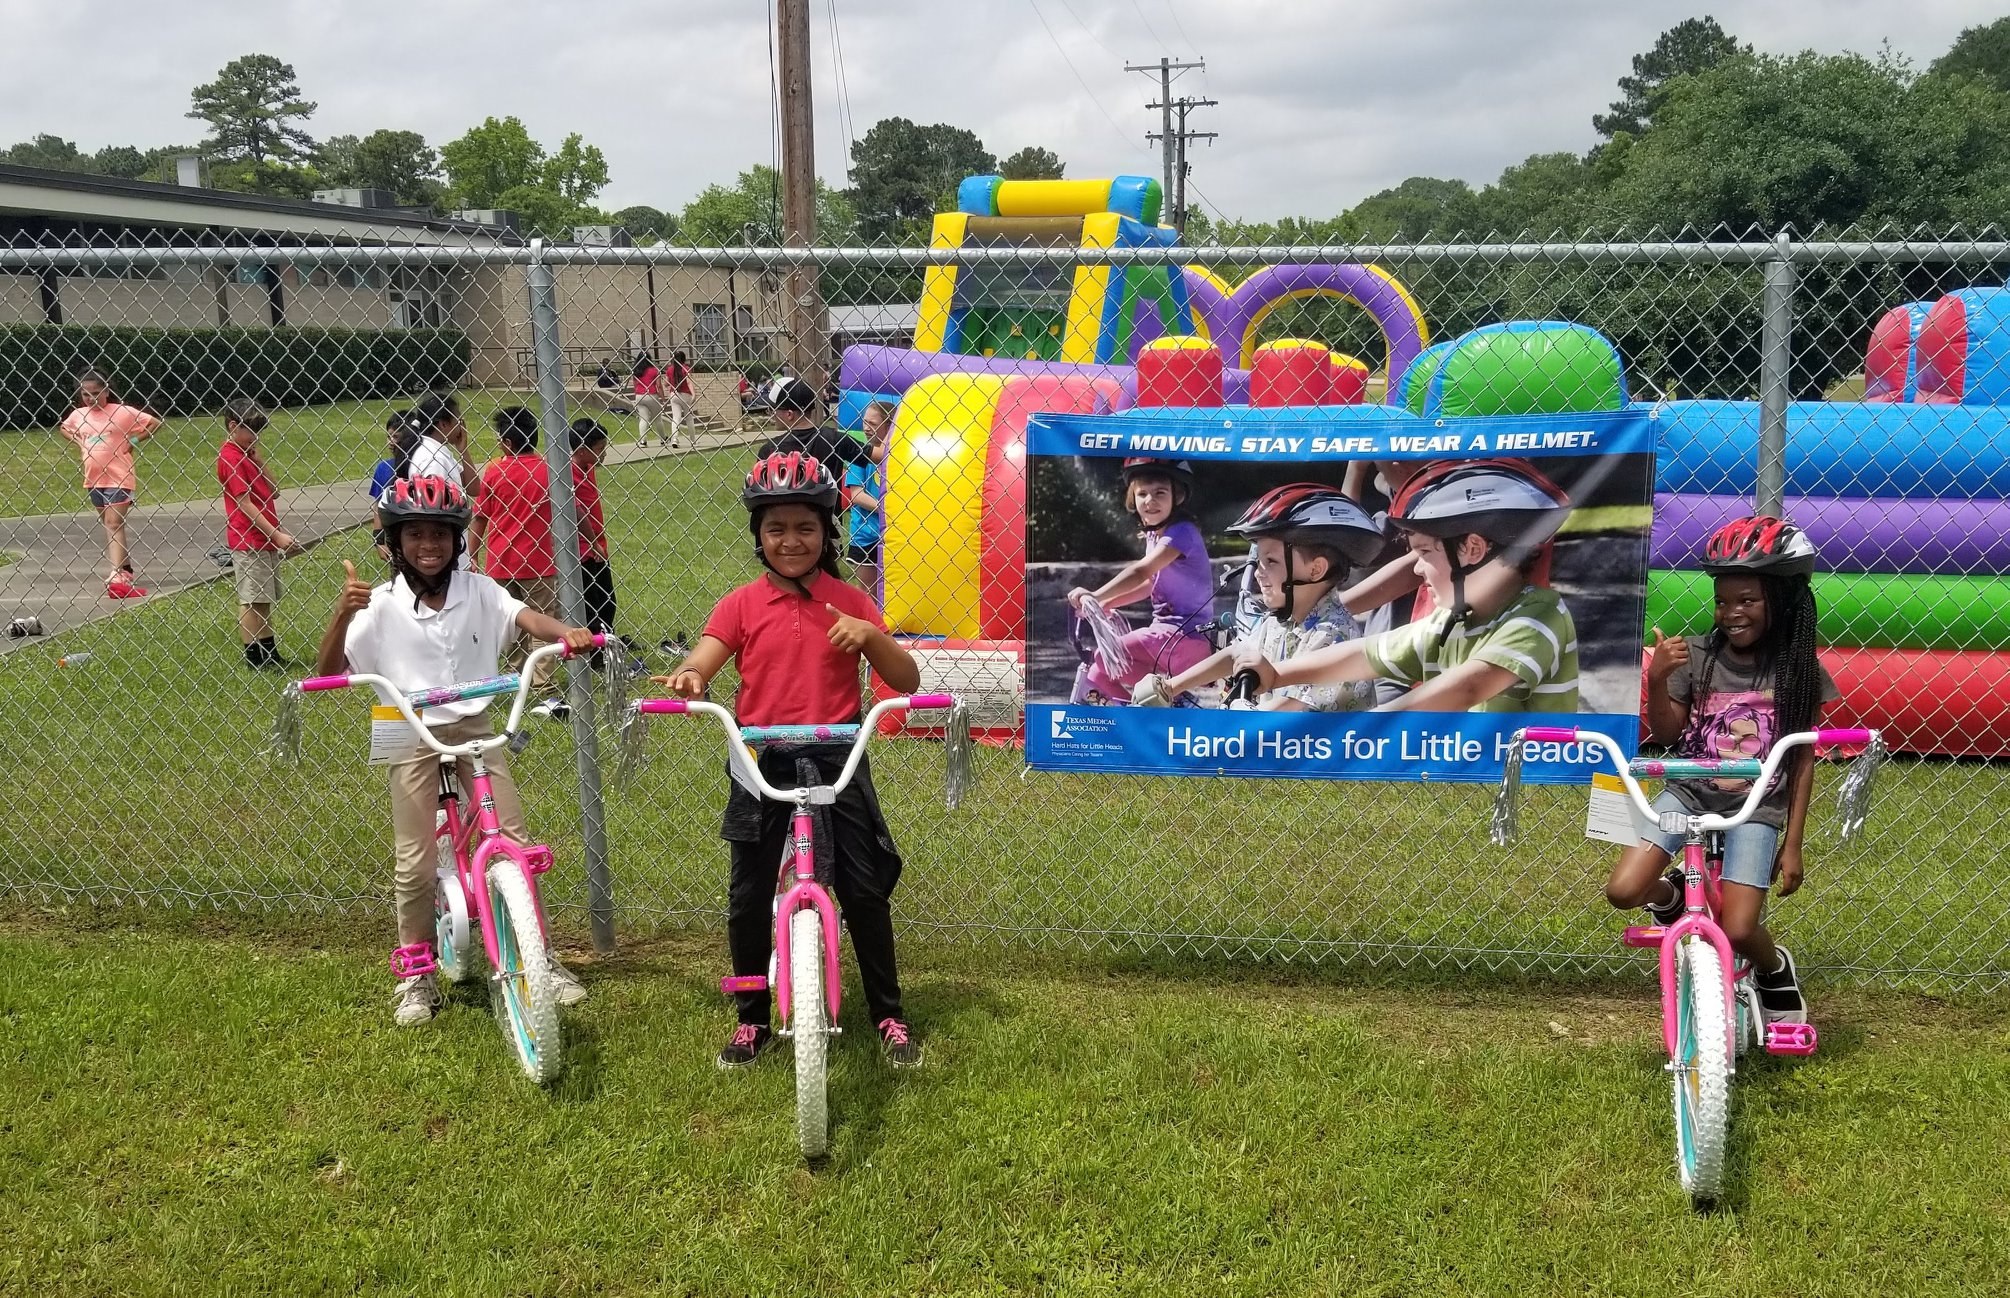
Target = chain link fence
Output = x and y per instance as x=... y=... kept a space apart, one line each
x=133 y=764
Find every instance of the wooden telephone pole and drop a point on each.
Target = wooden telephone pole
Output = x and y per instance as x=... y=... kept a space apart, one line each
x=809 y=350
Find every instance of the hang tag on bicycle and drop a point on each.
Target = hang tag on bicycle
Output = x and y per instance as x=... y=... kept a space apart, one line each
x=1609 y=816
x=391 y=736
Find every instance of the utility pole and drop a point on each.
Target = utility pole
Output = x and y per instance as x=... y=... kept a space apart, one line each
x=1172 y=143
x=1185 y=105
x=804 y=308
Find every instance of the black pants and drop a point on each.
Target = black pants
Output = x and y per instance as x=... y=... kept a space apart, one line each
x=596 y=579
x=857 y=861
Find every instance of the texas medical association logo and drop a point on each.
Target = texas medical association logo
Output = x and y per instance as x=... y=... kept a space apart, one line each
x=1076 y=734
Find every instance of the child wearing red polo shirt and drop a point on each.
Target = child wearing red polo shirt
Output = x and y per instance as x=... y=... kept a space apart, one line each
x=511 y=535
x=798 y=632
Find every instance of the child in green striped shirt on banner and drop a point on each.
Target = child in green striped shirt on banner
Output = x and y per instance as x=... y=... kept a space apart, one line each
x=1497 y=642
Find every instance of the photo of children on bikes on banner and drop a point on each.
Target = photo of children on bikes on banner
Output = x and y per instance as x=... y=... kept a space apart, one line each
x=1354 y=593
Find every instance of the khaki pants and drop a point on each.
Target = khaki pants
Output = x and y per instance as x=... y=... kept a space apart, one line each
x=680 y=414
x=648 y=408
x=415 y=798
x=541 y=593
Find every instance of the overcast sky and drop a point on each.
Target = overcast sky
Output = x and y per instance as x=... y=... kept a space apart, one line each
x=1321 y=102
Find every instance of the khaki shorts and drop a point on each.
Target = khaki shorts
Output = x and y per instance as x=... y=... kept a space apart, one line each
x=257 y=573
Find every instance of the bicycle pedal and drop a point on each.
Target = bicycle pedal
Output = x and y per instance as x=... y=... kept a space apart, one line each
x=414 y=960
x=537 y=859
x=732 y=985
x=1790 y=1038
x=1644 y=935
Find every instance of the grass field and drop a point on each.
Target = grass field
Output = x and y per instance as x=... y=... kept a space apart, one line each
x=311 y=444
x=219 y=1107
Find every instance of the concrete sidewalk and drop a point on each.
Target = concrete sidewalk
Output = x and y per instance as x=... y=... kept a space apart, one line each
x=59 y=575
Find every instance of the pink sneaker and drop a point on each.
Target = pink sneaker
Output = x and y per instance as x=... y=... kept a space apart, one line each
x=120 y=586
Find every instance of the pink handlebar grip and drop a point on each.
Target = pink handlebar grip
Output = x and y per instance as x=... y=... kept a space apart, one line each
x=931 y=701
x=599 y=642
x=313 y=683
x=1551 y=734
x=662 y=705
x=1846 y=736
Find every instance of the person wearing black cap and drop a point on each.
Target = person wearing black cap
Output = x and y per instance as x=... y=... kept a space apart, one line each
x=794 y=403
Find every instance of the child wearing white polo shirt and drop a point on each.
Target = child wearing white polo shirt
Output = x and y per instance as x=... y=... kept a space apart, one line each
x=434 y=625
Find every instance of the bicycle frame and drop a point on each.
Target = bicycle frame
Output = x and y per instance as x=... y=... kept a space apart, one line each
x=1701 y=893
x=803 y=890
x=491 y=841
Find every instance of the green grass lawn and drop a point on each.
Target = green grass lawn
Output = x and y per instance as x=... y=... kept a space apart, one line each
x=310 y=444
x=226 y=1107
x=138 y=778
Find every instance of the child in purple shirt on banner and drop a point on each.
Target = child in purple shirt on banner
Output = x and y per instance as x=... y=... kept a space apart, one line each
x=1174 y=572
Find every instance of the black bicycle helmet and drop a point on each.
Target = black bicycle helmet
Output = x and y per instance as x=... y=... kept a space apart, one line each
x=1310 y=513
x=1759 y=545
x=786 y=392
x=1179 y=472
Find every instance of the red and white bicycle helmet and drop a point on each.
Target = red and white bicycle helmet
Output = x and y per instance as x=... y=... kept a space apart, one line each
x=1311 y=513
x=1759 y=544
x=789 y=478
x=1507 y=501
x=429 y=499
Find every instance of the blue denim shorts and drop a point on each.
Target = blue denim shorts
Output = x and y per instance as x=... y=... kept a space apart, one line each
x=1748 y=850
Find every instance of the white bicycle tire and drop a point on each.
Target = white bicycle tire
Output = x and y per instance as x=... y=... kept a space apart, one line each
x=520 y=988
x=454 y=940
x=809 y=1031
x=1702 y=1072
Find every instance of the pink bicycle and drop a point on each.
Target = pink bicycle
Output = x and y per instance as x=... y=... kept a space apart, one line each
x=486 y=879
x=803 y=971
x=1708 y=1020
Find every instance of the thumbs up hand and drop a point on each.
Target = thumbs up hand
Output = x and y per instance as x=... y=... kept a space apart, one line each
x=1670 y=655
x=355 y=591
x=849 y=633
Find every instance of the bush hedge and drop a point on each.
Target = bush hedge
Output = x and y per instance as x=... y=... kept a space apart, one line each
x=195 y=371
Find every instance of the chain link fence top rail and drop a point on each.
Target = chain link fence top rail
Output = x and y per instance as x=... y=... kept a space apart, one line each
x=135 y=772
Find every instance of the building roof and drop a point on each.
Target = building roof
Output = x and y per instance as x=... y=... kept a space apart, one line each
x=105 y=200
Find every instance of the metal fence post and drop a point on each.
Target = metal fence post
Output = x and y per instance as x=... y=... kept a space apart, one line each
x=550 y=355
x=1776 y=366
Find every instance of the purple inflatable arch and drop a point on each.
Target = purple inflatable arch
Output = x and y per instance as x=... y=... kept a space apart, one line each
x=1231 y=316
x=1862 y=536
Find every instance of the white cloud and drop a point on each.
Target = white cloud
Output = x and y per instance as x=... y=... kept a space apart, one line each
x=1321 y=104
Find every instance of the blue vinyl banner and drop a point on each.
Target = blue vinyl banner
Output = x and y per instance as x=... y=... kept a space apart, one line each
x=1334 y=593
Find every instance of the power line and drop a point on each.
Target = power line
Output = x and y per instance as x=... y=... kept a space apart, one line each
x=846 y=123
x=774 y=132
x=1173 y=142
x=1087 y=30
x=1160 y=40
x=1180 y=27
x=1079 y=80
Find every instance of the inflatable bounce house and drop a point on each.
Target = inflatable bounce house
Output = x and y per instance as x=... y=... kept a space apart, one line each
x=1904 y=491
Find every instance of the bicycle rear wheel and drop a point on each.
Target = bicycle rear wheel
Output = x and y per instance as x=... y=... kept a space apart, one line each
x=809 y=1030
x=520 y=990
x=1701 y=1070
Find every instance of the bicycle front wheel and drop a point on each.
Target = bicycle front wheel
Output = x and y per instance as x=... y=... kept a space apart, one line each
x=809 y=1030
x=521 y=990
x=1701 y=1069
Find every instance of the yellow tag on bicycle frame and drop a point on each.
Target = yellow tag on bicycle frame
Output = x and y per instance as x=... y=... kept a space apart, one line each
x=1610 y=816
x=391 y=736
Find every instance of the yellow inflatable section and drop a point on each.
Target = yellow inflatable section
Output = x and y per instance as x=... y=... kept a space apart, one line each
x=935 y=462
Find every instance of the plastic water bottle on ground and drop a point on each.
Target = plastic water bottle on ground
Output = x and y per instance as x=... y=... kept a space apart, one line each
x=74 y=660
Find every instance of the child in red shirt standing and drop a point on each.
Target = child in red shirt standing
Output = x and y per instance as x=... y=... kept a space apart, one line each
x=596 y=575
x=798 y=632
x=511 y=536
x=252 y=531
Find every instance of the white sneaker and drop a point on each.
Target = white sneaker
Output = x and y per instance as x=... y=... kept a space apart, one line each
x=552 y=709
x=641 y=442
x=417 y=1000
x=566 y=985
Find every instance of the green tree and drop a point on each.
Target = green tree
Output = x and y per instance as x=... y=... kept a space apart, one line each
x=337 y=159
x=122 y=161
x=253 y=108
x=902 y=174
x=1979 y=52
x=545 y=211
x=400 y=162
x=489 y=160
x=49 y=152
x=1419 y=207
x=727 y=216
x=267 y=177
x=1691 y=46
x=577 y=172
x=1545 y=195
x=1032 y=163
x=647 y=224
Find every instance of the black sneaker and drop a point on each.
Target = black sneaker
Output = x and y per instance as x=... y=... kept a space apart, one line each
x=749 y=1040
x=1780 y=992
x=1667 y=913
x=897 y=1040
